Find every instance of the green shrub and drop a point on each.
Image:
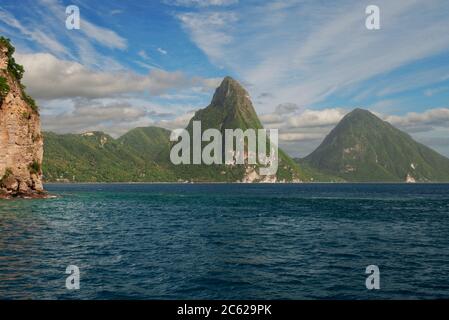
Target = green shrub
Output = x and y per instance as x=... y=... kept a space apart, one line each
x=35 y=167
x=14 y=68
x=17 y=71
x=4 y=87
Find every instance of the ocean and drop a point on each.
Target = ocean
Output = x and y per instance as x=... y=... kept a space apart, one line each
x=227 y=241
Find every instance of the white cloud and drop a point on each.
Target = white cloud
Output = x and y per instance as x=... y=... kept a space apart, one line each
x=211 y=31
x=287 y=108
x=162 y=51
x=68 y=79
x=317 y=118
x=143 y=54
x=115 y=12
x=179 y=122
x=301 y=130
x=271 y=118
x=432 y=92
x=425 y=121
x=300 y=136
x=87 y=115
x=104 y=36
x=112 y=116
x=201 y=3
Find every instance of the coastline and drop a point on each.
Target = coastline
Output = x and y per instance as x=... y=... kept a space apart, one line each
x=240 y=183
x=27 y=196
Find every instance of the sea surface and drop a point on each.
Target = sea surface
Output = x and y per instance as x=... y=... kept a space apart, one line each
x=227 y=241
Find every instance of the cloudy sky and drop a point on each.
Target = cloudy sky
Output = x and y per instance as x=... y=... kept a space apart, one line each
x=305 y=63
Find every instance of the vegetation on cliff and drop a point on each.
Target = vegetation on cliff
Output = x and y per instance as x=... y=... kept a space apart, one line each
x=17 y=71
x=4 y=88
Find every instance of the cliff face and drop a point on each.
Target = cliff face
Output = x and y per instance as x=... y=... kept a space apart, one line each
x=21 y=142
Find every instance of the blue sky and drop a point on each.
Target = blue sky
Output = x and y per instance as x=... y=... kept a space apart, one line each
x=305 y=63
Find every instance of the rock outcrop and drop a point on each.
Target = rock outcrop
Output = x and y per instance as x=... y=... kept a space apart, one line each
x=21 y=141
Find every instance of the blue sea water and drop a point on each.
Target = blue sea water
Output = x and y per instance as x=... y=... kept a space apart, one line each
x=218 y=241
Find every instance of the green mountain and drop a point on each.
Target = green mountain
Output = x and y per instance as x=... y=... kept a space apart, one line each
x=143 y=154
x=97 y=157
x=231 y=108
x=363 y=148
x=150 y=143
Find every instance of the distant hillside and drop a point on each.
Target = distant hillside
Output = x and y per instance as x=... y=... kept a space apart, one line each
x=97 y=157
x=150 y=143
x=143 y=154
x=363 y=148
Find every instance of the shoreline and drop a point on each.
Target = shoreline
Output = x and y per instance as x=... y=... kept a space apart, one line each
x=239 y=183
x=27 y=196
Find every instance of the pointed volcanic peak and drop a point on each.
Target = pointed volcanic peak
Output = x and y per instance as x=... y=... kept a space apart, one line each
x=231 y=108
x=364 y=148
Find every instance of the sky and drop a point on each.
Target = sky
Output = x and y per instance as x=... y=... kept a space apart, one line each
x=305 y=63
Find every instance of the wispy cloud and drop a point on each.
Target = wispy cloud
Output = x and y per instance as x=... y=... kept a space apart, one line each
x=100 y=35
x=211 y=31
x=304 y=52
x=425 y=121
x=43 y=23
x=162 y=51
x=200 y=3
x=434 y=91
x=32 y=34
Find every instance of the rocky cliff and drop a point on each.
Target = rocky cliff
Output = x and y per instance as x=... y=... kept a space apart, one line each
x=21 y=142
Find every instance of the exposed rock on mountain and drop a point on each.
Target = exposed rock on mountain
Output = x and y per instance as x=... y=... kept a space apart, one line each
x=21 y=142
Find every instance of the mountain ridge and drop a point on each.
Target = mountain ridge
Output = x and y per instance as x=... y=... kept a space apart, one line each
x=145 y=151
x=361 y=148
x=364 y=148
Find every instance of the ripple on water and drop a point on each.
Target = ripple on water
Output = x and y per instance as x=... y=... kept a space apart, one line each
x=227 y=242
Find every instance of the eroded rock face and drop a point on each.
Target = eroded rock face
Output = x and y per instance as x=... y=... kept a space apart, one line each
x=21 y=142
